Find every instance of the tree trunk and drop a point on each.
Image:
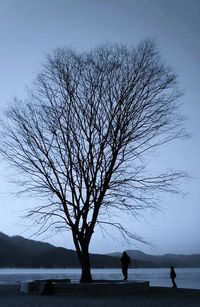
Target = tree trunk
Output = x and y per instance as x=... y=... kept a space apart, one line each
x=86 y=276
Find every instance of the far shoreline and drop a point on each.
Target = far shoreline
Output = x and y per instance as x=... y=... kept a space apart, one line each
x=96 y=268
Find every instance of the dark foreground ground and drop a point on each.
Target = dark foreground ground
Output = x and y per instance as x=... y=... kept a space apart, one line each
x=10 y=296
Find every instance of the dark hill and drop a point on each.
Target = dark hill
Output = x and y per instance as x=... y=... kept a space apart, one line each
x=31 y=246
x=162 y=261
x=17 y=251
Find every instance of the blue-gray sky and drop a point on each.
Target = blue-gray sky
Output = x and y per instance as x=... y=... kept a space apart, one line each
x=29 y=29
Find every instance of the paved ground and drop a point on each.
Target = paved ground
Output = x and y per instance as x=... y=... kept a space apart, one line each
x=10 y=296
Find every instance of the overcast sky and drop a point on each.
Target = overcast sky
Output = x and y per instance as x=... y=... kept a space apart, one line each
x=29 y=29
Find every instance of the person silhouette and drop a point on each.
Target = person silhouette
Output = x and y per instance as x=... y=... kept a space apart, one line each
x=173 y=276
x=125 y=260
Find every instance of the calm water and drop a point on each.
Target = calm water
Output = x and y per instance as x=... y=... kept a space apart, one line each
x=186 y=278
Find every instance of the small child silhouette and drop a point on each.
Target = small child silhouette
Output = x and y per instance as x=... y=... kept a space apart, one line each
x=173 y=276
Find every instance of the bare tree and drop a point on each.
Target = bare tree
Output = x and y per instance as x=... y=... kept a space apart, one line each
x=80 y=138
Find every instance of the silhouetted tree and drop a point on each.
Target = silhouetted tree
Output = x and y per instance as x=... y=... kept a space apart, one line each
x=80 y=137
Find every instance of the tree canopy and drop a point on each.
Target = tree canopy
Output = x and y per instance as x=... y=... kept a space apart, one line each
x=80 y=137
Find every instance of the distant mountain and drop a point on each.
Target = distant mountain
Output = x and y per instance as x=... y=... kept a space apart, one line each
x=161 y=261
x=17 y=251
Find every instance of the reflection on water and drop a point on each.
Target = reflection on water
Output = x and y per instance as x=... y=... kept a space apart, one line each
x=186 y=278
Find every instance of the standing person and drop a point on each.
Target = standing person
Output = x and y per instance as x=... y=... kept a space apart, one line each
x=125 y=260
x=173 y=276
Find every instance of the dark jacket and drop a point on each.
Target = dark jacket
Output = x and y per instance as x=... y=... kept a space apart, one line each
x=125 y=260
x=172 y=273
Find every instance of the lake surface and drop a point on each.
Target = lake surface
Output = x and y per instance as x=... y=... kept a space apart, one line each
x=186 y=278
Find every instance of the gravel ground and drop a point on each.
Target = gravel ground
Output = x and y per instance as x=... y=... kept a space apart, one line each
x=10 y=296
